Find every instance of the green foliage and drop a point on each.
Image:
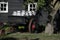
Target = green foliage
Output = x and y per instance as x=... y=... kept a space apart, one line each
x=5 y=26
x=21 y=27
x=41 y=3
x=29 y=1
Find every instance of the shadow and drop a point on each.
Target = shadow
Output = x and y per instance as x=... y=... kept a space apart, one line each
x=23 y=38
x=40 y=28
x=57 y=20
x=8 y=38
x=35 y=39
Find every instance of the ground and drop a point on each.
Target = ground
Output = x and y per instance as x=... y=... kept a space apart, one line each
x=30 y=36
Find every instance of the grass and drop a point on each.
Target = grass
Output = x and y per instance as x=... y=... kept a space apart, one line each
x=41 y=36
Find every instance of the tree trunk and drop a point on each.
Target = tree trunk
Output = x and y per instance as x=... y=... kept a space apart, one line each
x=29 y=25
x=50 y=27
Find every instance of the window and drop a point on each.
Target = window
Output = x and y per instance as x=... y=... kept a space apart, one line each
x=3 y=7
x=32 y=6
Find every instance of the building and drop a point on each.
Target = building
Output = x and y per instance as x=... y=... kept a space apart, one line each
x=11 y=11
